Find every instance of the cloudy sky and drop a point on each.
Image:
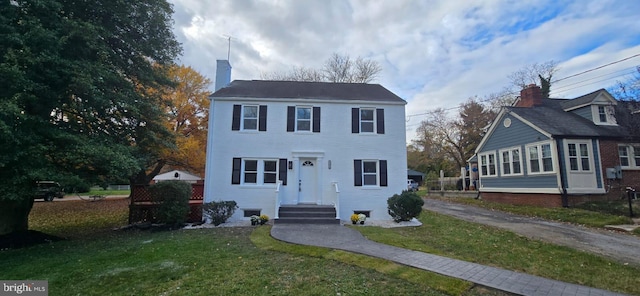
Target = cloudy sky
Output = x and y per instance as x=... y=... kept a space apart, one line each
x=433 y=53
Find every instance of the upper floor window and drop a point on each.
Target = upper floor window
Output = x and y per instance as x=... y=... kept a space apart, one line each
x=511 y=162
x=488 y=165
x=249 y=118
x=303 y=119
x=629 y=155
x=603 y=114
x=578 y=155
x=367 y=120
x=540 y=158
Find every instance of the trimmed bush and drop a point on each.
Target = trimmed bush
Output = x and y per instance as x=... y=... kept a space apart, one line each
x=172 y=199
x=219 y=211
x=405 y=206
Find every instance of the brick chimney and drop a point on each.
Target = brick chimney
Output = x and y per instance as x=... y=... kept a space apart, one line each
x=530 y=96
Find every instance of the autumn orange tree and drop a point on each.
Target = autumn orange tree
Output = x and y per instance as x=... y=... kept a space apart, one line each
x=188 y=115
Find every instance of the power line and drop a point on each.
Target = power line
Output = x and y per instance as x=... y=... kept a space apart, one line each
x=596 y=68
x=408 y=117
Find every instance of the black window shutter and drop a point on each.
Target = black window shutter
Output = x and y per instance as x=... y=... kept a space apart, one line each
x=355 y=120
x=235 y=171
x=316 y=119
x=282 y=170
x=262 y=124
x=235 y=123
x=380 y=120
x=383 y=173
x=357 y=172
x=291 y=118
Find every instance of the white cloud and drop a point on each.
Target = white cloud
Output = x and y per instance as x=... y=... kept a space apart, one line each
x=433 y=53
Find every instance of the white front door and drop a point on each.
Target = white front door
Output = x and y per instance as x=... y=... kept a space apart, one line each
x=307 y=181
x=580 y=165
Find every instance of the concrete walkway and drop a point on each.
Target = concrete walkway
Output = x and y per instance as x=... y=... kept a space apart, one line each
x=344 y=238
x=620 y=247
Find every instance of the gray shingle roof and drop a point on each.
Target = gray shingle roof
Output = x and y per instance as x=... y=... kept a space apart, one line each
x=308 y=90
x=581 y=100
x=552 y=118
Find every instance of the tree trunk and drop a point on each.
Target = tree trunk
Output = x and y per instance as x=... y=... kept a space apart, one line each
x=14 y=215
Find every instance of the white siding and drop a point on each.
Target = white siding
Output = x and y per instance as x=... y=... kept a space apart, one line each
x=335 y=143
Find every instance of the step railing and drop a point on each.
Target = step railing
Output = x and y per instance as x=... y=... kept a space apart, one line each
x=336 y=204
x=277 y=203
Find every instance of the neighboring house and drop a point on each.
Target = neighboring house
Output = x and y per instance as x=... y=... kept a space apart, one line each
x=274 y=143
x=557 y=152
x=177 y=175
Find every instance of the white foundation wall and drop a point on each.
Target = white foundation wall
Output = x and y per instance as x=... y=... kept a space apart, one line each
x=334 y=150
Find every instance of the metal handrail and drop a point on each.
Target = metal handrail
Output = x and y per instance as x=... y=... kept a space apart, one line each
x=277 y=199
x=337 y=202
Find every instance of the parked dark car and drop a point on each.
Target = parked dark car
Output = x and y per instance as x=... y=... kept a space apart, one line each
x=48 y=190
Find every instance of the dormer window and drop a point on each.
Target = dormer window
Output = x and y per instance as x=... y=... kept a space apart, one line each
x=603 y=115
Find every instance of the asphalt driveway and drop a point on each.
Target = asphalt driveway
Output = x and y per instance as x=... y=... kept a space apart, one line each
x=620 y=247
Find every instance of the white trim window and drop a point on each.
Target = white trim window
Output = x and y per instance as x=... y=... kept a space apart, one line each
x=603 y=114
x=249 y=117
x=629 y=155
x=367 y=120
x=259 y=171
x=578 y=154
x=540 y=158
x=488 y=165
x=511 y=162
x=303 y=118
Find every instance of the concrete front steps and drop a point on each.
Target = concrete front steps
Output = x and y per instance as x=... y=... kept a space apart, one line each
x=307 y=214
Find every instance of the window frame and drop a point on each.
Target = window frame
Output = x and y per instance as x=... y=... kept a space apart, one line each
x=608 y=112
x=309 y=120
x=511 y=161
x=376 y=173
x=540 y=158
x=260 y=172
x=372 y=121
x=487 y=164
x=579 y=156
x=243 y=118
x=633 y=156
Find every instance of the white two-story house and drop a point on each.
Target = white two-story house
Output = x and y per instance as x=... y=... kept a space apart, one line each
x=276 y=143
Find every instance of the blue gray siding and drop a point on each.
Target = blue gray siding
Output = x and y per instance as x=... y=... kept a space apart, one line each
x=584 y=112
x=596 y=160
x=535 y=181
x=517 y=134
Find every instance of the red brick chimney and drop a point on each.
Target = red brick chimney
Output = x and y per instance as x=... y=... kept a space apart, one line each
x=530 y=96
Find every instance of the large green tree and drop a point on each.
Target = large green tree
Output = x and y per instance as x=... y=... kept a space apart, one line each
x=74 y=100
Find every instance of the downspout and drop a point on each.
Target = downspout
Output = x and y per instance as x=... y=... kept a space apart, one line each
x=563 y=181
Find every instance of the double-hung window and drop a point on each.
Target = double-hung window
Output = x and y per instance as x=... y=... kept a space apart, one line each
x=511 y=162
x=303 y=119
x=488 y=165
x=370 y=173
x=629 y=156
x=578 y=154
x=540 y=158
x=251 y=171
x=367 y=121
x=603 y=114
x=249 y=118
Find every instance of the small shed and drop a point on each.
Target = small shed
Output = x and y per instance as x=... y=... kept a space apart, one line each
x=177 y=175
x=415 y=176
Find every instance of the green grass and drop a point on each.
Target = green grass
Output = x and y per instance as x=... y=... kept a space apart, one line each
x=450 y=237
x=220 y=261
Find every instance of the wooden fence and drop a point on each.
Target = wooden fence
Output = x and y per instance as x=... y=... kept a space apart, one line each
x=142 y=208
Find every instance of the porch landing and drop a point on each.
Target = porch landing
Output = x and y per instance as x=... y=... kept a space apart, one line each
x=307 y=214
